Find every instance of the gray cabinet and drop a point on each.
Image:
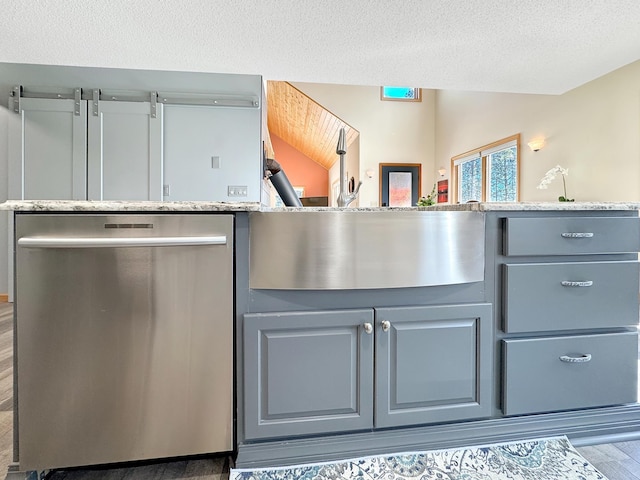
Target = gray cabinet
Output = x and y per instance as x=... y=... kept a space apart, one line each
x=66 y=149
x=125 y=154
x=212 y=153
x=307 y=372
x=314 y=372
x=47 y=150
x=570 y=313
x=433 y=364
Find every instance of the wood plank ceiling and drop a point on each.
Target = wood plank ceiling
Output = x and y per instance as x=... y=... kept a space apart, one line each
x=305 y=124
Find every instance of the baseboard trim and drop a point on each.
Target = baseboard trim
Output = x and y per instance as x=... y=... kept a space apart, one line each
x=4 y=297
x=583 y=427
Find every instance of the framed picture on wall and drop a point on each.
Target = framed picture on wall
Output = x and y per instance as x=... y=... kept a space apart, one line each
x=400 y=184
x=443 y=191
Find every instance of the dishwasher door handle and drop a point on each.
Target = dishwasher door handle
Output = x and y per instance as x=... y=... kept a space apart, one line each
x=114 y=242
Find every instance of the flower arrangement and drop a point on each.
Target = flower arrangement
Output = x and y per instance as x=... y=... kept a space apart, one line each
x=550 y=176
x=429 y=199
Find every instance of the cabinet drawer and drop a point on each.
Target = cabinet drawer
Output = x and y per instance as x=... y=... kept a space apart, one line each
x=540 y=376
x=567 y=296
x=571 y=235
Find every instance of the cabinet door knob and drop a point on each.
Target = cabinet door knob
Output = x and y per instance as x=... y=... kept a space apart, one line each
x=386 y=325
x=576 y=359
x=368 y=328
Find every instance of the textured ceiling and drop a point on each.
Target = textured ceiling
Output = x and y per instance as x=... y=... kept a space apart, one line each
x=528 y=46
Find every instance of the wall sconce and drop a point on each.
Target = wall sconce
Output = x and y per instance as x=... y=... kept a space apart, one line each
x=369 y=172
x=442 y=171
x=536 y=144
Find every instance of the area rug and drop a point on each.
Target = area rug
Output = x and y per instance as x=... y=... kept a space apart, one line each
x=541 y=459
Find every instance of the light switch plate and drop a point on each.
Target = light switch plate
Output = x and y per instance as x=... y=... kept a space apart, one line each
x=237 y=191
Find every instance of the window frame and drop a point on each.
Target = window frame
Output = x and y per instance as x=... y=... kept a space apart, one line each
x=483 y=152
x=417 y=95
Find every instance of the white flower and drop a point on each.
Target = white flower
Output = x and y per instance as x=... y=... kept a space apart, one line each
x=551 y=175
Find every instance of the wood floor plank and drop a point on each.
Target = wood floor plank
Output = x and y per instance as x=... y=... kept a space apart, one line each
x=6 y=362
x=6 y=324
x=6 y=405
x=6 y=342
x=602 y=453
x=616 y=470
x=631 y=466
x=215 y=468
x=200 y=469
x=630 y=448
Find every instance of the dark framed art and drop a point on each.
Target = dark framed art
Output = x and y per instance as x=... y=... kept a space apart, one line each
x=400 y=184
x=443 y=191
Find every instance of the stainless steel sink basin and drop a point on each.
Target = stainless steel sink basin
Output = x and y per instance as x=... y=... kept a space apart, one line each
x=347 y=249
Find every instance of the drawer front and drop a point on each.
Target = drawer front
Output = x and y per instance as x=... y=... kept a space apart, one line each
x=565 y=373
x=567 y=296
x=571 y=235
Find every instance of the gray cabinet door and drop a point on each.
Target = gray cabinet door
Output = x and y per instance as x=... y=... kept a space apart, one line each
x=47 y=150
x=212 y=153
x=433 y=364
x=307 y=372
x=125 y=152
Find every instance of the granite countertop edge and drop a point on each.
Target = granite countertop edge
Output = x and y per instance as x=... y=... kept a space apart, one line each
x=192 y=206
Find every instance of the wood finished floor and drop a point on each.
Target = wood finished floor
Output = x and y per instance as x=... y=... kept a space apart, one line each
x=618 y=461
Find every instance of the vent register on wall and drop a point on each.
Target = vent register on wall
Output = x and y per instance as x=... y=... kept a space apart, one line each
x=101 y=144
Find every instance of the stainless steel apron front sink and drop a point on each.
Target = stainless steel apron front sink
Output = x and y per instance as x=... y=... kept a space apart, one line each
x=342 y=249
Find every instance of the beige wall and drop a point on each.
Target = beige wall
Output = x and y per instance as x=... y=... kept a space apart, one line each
x=593 y=130
x=390 y=132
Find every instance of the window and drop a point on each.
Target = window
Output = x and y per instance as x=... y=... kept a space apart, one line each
x=488 y=174
x=403 y=94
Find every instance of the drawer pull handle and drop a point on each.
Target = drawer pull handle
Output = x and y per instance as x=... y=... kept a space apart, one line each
x=386 y=325
x=579 y=359
x=577 y=235
x=566 y=283
x=368 y=328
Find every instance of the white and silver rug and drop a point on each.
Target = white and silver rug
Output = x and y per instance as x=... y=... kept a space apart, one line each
x=540 y=459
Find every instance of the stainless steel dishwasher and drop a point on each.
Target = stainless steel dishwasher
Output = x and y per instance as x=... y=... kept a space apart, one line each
x=124 y=337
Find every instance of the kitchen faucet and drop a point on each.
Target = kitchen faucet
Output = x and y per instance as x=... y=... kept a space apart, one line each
x=344 y=198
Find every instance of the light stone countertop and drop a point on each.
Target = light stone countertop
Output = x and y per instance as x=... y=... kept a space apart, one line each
x=125 y=206
x=149 y=206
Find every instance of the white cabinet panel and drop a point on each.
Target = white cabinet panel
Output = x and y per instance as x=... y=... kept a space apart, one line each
x=47 y=150
x=125 y=152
